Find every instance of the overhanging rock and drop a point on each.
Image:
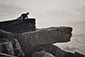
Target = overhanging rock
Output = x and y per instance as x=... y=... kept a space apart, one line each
x=35 y=38
x=48 y=36
x=30 y=40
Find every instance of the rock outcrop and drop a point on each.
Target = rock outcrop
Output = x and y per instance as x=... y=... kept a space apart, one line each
x=30 y=40
x=18 y=26
x=25 y=40
x=48 y=36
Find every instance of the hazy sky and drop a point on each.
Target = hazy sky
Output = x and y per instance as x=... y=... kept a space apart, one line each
x=47 y=12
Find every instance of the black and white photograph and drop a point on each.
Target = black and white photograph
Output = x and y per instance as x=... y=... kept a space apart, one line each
x=42 y=28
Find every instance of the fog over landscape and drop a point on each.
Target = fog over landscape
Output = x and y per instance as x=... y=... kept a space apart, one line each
x=51 y=13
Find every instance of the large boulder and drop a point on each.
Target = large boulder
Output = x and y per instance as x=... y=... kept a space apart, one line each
x=48 y=36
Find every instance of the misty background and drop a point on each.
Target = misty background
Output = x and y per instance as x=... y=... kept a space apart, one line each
x=51 y=13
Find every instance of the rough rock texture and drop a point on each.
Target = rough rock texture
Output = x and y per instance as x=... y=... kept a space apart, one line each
x=37 y=40
x=37 y=43
x=18 y=26
x=30 y=40
x=42 y=54
x=11 y=47
x=54 y=50
x=6 y=55
x=48 y=36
